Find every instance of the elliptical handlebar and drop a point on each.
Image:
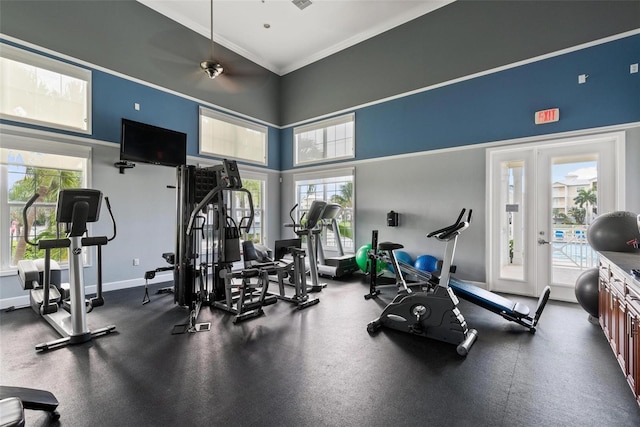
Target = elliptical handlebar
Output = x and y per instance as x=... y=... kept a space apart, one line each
x=295 y=225
x=30 y=202
x=293 y=221
x=113 y=220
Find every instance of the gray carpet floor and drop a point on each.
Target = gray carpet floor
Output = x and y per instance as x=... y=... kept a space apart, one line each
x=317 y=367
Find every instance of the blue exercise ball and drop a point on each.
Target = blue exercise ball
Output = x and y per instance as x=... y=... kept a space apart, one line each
x=587 y=292
x=401 y=256
x=613 y=232
x=426 y=263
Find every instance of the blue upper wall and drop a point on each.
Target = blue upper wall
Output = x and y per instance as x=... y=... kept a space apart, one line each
x=501 y=105
x=492 y=107
x=113 y=98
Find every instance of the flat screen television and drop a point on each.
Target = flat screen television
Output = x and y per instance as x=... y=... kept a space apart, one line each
x=141 y=142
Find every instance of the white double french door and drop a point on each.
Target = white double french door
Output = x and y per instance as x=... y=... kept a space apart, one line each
x=541 y=199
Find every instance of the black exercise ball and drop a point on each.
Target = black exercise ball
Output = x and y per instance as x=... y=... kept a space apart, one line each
x=612 y=231
x=587 y=291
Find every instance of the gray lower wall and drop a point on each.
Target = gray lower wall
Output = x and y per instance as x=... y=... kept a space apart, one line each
x=429 y=190
x=145 y=213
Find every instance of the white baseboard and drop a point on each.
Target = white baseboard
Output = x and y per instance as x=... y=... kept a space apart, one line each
x=23 y=301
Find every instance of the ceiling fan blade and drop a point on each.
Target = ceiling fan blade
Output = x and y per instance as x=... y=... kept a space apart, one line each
x=182 y=43
x=178 y=54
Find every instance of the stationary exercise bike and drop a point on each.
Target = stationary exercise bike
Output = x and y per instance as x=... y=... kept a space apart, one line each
x=66 y=308
x=508 y=309
x=428 y=309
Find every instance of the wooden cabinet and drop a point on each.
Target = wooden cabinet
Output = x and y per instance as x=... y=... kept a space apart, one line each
x=633 y=343
x=619 y=312
x=604 y=303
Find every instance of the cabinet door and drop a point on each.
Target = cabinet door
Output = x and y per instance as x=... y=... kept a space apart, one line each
x=614 y=324
x=621 y=333
x=633 y=348
x=603 y=305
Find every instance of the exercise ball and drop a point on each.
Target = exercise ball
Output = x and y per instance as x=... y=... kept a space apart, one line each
x=612 y=231
x=401 y=256
x=587 y=291
x=362 y=259
x=426 y=263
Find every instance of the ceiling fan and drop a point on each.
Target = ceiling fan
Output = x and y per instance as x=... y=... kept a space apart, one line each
x=210 y=66
x=176 y=51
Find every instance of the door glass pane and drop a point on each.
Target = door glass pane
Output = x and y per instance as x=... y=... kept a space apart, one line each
x=574 y=204
x=512 y=237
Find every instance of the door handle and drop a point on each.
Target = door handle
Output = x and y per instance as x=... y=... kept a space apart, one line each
x=541 y=241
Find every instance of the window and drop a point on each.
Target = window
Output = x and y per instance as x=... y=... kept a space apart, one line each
x=256 y=184
x=333 y=187
x=24 y=171
x=329 y=139
x=225 y=136
x=39 y=90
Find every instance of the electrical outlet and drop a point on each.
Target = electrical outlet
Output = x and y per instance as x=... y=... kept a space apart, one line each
x=633 y=68
x=136 y=261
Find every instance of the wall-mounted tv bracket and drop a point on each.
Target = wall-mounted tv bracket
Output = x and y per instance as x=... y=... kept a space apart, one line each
x=123 y=164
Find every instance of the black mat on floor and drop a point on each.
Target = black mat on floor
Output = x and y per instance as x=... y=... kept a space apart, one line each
x=317 y=367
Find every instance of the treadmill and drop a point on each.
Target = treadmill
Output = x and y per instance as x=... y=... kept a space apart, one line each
x=341 y=264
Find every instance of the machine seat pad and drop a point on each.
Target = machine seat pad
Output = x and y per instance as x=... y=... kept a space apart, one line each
x=495 y=301
x=389 y=246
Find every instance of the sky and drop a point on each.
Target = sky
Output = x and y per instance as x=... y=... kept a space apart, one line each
x=584 y=170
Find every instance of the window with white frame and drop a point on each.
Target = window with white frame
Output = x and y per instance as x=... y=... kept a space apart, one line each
x=335 y=186
x=39 y=90
x=225 y=136
x=255 y=183
x=325 y=140
x=28 y=167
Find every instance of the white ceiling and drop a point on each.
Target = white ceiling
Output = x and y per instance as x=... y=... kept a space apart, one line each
x=295 y=37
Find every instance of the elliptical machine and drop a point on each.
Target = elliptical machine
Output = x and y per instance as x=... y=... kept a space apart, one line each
x=428 y=309
x=67 y=312
x=311 y=230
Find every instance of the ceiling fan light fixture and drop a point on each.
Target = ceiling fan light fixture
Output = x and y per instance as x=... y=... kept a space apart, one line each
x=211 y=68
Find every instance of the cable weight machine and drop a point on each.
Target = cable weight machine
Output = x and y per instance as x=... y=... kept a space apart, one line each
x=208 y=244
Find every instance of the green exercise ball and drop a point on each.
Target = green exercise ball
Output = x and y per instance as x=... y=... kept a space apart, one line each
x=362 y=259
